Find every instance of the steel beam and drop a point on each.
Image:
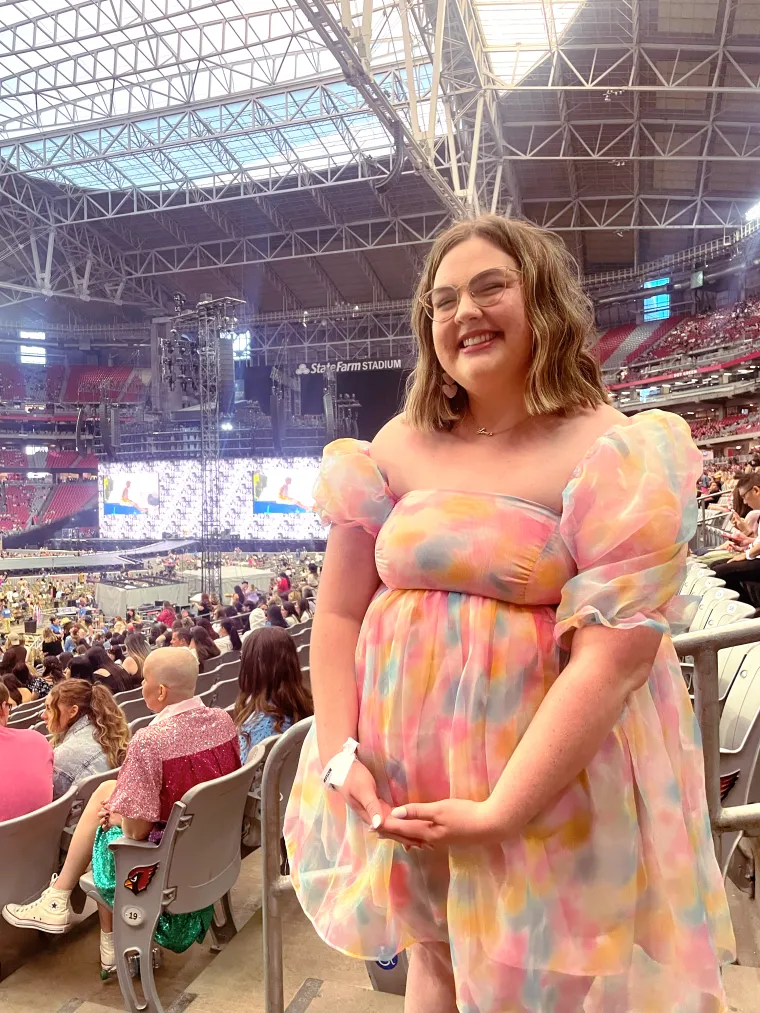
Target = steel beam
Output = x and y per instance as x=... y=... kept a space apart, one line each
x=337 y=42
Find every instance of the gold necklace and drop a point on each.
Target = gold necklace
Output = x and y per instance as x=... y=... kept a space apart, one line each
x=498 y=432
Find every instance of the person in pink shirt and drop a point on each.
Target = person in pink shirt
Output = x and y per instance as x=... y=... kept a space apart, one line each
x=26 y=762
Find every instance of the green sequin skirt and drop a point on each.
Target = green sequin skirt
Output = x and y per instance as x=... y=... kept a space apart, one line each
x=174 y=932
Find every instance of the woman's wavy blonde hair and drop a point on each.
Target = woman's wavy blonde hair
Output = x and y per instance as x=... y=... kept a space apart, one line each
x=564 y=375
x=109 y=723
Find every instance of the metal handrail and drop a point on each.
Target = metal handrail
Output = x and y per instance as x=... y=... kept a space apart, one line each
x=703 y=647
x=275 y=884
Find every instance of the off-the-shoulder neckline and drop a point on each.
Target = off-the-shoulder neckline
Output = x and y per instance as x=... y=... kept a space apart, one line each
x=607 y=434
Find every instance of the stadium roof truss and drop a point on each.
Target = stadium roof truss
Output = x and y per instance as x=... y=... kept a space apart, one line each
x=305 y=153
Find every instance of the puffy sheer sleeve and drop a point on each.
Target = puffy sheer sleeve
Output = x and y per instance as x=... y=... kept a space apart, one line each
x=351 y=489
x=628 y=512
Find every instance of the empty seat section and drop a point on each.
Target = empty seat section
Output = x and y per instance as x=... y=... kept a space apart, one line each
x=68 y=499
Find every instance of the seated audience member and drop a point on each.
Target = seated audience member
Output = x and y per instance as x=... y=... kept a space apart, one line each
x=202 y=646
x=106 y=671
x=275 y=617
x=290 y=613
x=52 y=669
x=204 y=607
x=167 y=614
x=14 y=653
x=24 y=682
x=304 y=611
x=181 y=637
x=186 y=745
x=11 y=683
x=51 y=642
x=256 y=621
x=26 y=766
x=272 y=694
x=230 y=640
x=80 y=668
x=313 y=579
x=70 y=639
x=206 y=624
x=137 y=653
x=89 y=729
x=238 y=597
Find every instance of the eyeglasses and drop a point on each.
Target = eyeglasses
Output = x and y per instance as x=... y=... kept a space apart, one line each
x=485 y=289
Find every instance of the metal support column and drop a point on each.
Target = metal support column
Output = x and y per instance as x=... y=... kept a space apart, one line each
x=208 y=391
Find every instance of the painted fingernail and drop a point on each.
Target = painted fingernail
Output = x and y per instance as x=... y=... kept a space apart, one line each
x=399 y=812
x=376 y=821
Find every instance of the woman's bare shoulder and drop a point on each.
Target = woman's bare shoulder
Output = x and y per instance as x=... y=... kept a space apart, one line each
x=396 y=445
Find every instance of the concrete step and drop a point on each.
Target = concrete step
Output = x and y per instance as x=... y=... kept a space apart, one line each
x=316 y=996
x=742 y=988
x=234 y=981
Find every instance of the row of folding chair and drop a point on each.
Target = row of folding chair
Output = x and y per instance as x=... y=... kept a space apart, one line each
x=739 y=708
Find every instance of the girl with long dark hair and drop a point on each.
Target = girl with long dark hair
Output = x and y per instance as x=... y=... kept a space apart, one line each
x=272 y=694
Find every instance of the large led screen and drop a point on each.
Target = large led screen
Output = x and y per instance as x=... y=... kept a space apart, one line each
x=266 y=498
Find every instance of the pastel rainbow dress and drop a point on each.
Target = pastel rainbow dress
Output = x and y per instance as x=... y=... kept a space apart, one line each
x=611 y=901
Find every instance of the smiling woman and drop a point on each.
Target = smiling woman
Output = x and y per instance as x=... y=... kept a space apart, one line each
x=521 y=799
x=540 y=317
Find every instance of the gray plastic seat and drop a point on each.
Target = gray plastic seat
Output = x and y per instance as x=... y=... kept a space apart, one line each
x=223 y=694
x=705 y=583
x=135 y=709
x=83 y=793
x=27 y=720
x=693 y=574
x=222 y=659
x=303 y=655
x=195 y=865
x=228 y=670
x=205 y=681
x=141 y=722
x=739 y=746
x=127 y=695
x=31 y=848
x=711 y=597
x=730 y=663
x=726 y=612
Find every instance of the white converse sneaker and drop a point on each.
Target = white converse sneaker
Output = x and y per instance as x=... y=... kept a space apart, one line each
x=51 y=912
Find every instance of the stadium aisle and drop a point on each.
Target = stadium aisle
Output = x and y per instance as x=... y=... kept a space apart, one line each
x=229 y=982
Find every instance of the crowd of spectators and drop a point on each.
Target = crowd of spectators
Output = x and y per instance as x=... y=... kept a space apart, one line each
x=702 y=429
x=740 y=322
x=79 y=669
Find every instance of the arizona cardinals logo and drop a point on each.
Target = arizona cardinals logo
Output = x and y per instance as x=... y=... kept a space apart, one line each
x=138 y=879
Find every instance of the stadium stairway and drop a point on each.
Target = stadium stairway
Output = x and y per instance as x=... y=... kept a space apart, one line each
x=631 y=342
x=65 y=977
x=610 y=341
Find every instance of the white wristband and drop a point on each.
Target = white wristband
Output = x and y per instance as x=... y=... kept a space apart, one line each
x=336 y=771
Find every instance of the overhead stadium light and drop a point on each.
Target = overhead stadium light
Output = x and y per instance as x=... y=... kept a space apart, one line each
x=754 y=213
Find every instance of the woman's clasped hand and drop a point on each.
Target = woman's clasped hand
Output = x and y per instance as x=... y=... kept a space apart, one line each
x=422 y=824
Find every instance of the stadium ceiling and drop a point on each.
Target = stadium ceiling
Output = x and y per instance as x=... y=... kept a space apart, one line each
x=304 y=154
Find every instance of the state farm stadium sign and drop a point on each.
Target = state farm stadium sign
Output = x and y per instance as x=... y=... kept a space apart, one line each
x=347 y=367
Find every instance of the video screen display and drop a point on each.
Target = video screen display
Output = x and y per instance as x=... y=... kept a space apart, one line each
x=267 y=498
x=128 y=494
x=282 y=490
